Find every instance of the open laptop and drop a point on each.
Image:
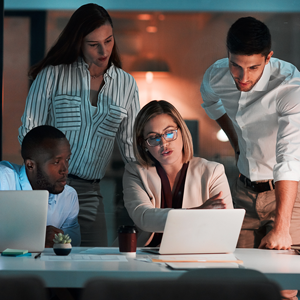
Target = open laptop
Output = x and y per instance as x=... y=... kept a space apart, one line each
x=199 y=231
x=23 y=220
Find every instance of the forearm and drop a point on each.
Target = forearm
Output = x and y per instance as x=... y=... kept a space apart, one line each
x=227 y=126
x=286 y=193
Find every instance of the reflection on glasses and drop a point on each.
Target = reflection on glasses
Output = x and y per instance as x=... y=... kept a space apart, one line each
x=168 y=136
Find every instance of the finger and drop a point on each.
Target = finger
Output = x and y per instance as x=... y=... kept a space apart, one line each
x=217 y=202
x=271 y=246
x=219 y=206
x=262 y=245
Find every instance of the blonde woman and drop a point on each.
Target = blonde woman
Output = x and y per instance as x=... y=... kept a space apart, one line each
x=165 y=175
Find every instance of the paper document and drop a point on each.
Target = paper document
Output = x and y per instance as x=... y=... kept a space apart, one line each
x=84 y=257
x=99 y=250
x=203 y=258
x=107 y=250
x=185 y=266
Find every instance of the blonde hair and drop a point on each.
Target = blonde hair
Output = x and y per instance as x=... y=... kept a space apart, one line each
x=149 y=111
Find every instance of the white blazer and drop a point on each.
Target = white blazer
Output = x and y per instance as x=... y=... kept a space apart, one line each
x=142 y=193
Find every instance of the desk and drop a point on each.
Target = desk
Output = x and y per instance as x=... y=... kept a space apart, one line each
x=281 y=266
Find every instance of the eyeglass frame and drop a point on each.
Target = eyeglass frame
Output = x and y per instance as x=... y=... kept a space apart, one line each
x=162 y=136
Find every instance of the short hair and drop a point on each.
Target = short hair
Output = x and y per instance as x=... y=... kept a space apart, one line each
x=149 y=111
x=248 y=36
x=67 y=49
x=33 y=141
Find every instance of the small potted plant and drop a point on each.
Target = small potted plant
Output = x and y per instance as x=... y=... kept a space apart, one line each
x=62 y=244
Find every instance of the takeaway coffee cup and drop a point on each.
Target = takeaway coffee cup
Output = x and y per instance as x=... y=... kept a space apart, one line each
x=127 y=240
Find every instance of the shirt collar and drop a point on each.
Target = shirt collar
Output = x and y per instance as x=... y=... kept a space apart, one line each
x=24 y=182
x=52 y=199
x=111 y=72
x=263 y=82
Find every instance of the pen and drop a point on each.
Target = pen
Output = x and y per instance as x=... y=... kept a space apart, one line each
x=38 y=255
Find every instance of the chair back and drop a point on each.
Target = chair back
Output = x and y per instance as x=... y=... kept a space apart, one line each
x=232 y=283
x=22 y=288
x=254 y=286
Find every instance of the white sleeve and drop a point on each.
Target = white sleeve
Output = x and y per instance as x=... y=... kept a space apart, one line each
x=8 y=179
x=288 y=136
x=211 y=103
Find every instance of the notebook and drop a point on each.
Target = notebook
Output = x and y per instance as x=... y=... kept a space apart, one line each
x=199 y=231
x=23 y=220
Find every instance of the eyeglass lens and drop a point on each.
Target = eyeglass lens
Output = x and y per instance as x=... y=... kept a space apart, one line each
x=168 y=136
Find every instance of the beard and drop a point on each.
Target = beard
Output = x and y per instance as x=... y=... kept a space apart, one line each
x=249 y=86
x=44 y=183
x=244 y=89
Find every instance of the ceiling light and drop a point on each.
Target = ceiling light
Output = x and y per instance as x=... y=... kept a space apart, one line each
x=151 y=29
x=144 y=17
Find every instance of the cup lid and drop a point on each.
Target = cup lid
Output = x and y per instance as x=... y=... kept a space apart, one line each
x=127 y=229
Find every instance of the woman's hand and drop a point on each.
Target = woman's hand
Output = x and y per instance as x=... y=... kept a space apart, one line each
x=215 y=202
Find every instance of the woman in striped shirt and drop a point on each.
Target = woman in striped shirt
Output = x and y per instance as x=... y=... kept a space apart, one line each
x=80 y=88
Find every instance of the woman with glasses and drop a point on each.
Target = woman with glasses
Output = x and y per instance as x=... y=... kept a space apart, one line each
x=165 y=175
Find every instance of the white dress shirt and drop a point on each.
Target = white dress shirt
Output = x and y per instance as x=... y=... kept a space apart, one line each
x=60 y=97
x=266 y=119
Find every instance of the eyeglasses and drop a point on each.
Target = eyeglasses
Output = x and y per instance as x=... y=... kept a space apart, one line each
x=168 y=136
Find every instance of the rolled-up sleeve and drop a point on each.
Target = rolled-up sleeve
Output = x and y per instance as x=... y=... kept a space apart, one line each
x=288 y=136
x=212 y=105
x=37 y=102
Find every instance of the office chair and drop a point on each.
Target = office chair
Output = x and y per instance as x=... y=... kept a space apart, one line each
x=199 y=288
x=22 y=288
x=223 y=273
x=232 y=283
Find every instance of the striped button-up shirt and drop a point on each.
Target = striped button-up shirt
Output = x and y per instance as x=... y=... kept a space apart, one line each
x=60 y=97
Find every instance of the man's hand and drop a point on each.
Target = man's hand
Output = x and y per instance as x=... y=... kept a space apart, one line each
x=279 y=237
x=279 y=240
x=50 y=233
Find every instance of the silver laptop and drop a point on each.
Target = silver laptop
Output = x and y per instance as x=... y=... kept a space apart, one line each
x=23 y=220
x=197 y=231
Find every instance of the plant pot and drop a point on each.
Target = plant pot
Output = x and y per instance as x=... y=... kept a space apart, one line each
x=62 y=249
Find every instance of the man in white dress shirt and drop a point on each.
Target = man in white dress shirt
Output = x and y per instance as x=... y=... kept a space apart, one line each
x=256 y=100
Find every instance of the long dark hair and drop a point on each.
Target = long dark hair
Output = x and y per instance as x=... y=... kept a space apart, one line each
x=66 y=50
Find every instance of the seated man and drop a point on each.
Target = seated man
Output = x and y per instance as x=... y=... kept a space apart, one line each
x=46 y=153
